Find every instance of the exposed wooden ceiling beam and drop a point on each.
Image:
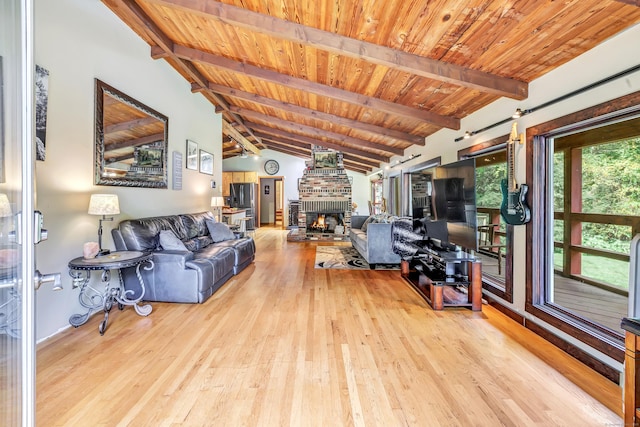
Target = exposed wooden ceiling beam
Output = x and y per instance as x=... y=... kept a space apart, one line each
x=341 y=45
x=315 y=132
x=164 y=48
x=428 y=117
x=315 y=114
x=129 y=143
x=356 y=168
x=130 y=124
x=306 y=139
x=307 y=146
x=229 y=130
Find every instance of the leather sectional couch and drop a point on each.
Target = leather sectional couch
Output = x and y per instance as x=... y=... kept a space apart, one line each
x=192 y=270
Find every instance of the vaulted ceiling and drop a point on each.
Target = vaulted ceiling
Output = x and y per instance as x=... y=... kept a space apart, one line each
x=367 y=77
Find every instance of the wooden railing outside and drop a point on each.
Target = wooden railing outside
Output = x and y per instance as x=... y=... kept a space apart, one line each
x=571 y=251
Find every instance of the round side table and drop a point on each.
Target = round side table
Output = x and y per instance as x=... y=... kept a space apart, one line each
x=93 y=299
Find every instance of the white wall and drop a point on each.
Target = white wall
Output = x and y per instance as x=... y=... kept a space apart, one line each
x=611 y=57
x=292 y=168
x=77 y=41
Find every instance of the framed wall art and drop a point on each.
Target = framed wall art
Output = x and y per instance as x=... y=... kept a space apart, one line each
x=206 y=162
x=192 y=155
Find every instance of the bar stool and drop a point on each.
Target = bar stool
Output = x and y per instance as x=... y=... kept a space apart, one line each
x=242 y=222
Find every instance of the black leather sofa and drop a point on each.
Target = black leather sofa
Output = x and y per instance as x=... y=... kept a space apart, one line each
x=187 y=276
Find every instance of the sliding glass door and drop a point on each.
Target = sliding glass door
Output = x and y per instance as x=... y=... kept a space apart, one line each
x=584 y=175
x=17 y=341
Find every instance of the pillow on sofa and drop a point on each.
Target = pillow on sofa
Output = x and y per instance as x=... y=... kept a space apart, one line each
x=366 y=222
x=170 y=242
x=219 y=231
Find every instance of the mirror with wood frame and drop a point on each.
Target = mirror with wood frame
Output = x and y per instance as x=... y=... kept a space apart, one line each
x=131 y=141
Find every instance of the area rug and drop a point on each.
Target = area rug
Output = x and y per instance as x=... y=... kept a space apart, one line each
x=345 y=257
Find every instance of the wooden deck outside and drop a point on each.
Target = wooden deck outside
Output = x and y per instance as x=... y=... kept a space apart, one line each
x=598 y=305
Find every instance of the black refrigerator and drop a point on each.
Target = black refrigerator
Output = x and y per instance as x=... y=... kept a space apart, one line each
x=244 y=196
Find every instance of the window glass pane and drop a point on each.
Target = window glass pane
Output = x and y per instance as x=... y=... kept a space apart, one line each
x=591 y=274
x=606 y=270
x=558 y=258
x=488 y=178
x=611 y=178
x=615 y=238
x=558 y=181
x=492 y=246
x=558 y=237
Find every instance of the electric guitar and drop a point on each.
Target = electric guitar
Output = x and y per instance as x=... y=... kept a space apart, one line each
x=514 y=209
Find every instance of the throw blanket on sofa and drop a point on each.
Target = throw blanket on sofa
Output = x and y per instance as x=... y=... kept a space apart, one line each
x=403 y=237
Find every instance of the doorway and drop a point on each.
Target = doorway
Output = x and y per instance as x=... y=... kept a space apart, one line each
x=272 y=202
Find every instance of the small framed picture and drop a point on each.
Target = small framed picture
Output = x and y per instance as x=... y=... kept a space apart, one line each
x=206 y=162
x=192 y=155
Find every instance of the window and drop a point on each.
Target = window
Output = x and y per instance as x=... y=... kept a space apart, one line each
x=596 y=201
x=491 y=169
x=585 y=189
x=494 y=237
x=377 y=201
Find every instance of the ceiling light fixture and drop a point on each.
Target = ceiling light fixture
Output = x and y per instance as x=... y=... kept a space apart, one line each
x=517 y=114
x=399 y=162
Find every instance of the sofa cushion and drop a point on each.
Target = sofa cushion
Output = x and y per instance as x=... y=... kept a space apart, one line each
x=170 y=242
x=195 y=224
x=203 y=241
x=192 y=244
x=219 y=232
x=244 y=249
x=142 y=234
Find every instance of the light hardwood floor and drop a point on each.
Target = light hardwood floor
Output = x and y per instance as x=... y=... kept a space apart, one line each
x=286 y=344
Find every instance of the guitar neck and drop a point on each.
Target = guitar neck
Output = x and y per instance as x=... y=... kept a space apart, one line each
x=511 y=160
x=511 y=177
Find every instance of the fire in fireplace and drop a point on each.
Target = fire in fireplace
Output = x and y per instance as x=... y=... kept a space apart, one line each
x=324 y=222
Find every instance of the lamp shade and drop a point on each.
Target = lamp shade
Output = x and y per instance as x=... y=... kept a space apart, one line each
x=104 y=204
x=217 y=201
x=5 y=206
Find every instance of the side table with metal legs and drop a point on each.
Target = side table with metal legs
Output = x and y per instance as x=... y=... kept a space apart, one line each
x=94 y=299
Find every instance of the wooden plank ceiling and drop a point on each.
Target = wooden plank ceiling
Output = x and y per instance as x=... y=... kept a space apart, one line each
x=367 y=77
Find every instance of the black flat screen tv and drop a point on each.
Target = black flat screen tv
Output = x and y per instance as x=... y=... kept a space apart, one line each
x=454 y=201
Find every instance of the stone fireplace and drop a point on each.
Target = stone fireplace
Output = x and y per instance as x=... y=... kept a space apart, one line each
x=325 y=205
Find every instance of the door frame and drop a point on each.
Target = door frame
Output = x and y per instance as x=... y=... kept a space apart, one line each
x=281 y=195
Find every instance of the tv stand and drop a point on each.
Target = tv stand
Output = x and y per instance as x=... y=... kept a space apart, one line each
x=445 y=278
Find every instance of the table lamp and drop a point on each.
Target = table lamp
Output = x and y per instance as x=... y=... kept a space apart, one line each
x=103 y=204
x=218 y=202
